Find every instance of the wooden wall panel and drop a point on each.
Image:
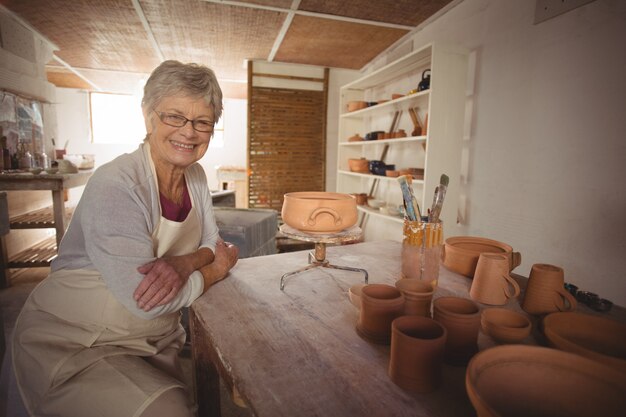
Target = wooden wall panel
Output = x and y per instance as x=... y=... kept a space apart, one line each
x=286 y=144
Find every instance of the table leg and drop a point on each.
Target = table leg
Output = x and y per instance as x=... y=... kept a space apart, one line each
x=206 y=376
x=58 y=210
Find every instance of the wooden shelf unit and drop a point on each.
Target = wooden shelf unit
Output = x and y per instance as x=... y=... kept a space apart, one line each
x=438 y=151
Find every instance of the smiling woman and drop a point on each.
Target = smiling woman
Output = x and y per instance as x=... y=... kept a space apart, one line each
x=116 y=118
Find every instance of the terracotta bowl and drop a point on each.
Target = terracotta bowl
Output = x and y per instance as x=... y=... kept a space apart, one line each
x=354 y=293
x=396 y=96
x=597 y=338
x=392 y=173
x=319 y=212
x=505 y=326
x=461 y=253
x=359 y=165
x=356 y=105
x=536 y=381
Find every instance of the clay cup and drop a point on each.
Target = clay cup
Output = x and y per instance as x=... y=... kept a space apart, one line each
x=380 y=305
x=461 y=318
x=417 y=347
x=492 y=283
x=418 y=295
x=545 y=292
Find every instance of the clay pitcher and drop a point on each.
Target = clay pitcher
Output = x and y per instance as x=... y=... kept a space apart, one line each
x=545 y=292
x=492 y=283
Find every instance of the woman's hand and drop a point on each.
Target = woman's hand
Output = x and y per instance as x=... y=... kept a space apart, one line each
x=226 y=256
x=164 y=277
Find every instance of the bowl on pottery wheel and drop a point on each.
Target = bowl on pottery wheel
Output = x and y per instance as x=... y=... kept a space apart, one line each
x=598 y=338
x=505 y=326
x=518 y=380
x=461 y=253
x=319 y=212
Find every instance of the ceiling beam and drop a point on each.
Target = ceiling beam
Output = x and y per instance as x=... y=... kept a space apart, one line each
x=149 y=32
x=311 y=14
x=283 y=30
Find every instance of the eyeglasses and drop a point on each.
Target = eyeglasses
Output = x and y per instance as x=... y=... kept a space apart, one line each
x=176 y=120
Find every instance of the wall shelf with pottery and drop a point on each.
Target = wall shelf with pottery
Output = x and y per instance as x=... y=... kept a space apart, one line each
x=435 y=147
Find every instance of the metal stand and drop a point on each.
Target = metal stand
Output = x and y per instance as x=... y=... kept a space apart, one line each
x=317 y=257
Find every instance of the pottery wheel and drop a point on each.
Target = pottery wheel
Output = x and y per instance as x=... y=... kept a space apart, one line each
x=317 y=257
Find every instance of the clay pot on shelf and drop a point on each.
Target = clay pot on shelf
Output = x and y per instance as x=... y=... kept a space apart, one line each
x=319 y=212
x=516 y=380
x=392 y=173
x=396 y=96
x=359 y=165
x=597 y=338
x=461 y=318
x=461 y=253
x=545 y=292
x=356 y=105
x=361 y=199
x=400 y=134
x=492 y=283
x=505 y=326
x=380 y=305
x=416 y=356
x=356 y=138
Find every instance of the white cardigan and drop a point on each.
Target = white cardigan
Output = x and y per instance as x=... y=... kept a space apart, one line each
x=111 y=230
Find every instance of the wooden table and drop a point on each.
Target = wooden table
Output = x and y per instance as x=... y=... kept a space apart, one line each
x=56 y=184
x=296 y=352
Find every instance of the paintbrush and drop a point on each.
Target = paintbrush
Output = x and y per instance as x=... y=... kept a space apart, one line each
x=410 y=203
x=440 y=194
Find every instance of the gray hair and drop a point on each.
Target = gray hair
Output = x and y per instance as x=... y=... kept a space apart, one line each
x=172 y=78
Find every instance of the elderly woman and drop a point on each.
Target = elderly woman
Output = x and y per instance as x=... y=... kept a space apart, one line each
x=101 y=334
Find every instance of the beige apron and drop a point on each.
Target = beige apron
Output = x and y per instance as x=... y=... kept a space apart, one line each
x=78 y=352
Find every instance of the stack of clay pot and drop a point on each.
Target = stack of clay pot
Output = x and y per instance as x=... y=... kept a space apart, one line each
x=545 y=291
x=417 y=346
x=461 y=318
x=380 y=305
x=418 y=295
x=492 y=283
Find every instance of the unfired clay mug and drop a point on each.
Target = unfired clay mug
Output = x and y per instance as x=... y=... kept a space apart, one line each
x=492 y=283
x=417 y=348
x=380 y=305
x=418 y=296
x=545 y=292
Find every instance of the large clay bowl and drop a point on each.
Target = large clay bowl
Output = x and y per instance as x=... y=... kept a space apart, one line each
x=319 y=212
x=505 y=326
x=359 y=165
x=516 y=380
x=597 y=338
x=461 y=253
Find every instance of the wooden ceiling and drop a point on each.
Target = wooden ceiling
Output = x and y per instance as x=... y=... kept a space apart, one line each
x=111 y=45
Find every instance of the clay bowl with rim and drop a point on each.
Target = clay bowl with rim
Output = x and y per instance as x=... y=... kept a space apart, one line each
x=461 y=253
x=354 y=293
x=598 y=338
x=518 y=380
x=505 y=326
x=359 y=165
x=319 y=212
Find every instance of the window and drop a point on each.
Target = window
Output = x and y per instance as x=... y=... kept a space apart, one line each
x=217 y=141
x=116 y=118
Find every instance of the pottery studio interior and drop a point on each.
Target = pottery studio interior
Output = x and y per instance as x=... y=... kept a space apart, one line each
x=338 y=208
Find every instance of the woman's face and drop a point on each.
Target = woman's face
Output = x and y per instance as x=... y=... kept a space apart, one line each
x=179 y=146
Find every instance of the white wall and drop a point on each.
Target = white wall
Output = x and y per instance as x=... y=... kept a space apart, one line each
x=545 y=145
x=74 y=125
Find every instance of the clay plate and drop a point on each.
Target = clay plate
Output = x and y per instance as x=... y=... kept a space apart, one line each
x=516 y=380
x=597 y=338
